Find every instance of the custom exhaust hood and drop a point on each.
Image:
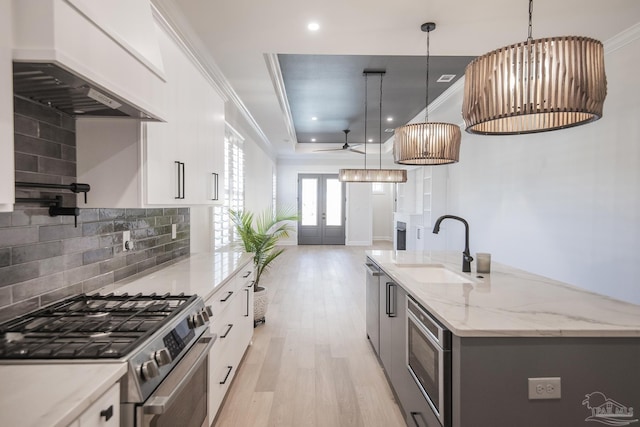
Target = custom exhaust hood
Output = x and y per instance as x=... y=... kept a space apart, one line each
x=88 y=58
x=52 y=85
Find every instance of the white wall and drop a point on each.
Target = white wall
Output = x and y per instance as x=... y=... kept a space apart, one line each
x=359 y=205
x=382 y=210
x=563 y=204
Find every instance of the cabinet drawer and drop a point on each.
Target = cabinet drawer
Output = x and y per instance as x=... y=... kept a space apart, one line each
x=220 y=378
x=104 y=412
x=224 y=297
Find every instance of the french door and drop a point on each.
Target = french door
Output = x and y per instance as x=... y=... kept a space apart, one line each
x=321 y=202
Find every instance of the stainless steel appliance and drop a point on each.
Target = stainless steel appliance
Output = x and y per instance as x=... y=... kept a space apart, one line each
x=164 y=340
x=429 y=359
x=373 y=303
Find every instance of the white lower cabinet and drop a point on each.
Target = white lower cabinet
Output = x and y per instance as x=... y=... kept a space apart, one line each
x=104 y=412
x=232 y=322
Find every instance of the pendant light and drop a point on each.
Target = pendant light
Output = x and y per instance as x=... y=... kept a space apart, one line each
x=535 y=86
x=427 y=143
x=372 y=175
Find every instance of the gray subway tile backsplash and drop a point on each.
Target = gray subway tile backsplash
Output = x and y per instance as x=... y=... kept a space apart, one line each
x=43 y=258
x=19 y=273
x=20 y=254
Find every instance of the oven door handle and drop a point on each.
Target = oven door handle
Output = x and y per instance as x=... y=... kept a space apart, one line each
x=159 y=403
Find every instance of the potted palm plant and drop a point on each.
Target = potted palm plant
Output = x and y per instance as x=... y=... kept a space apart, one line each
x=261 y=239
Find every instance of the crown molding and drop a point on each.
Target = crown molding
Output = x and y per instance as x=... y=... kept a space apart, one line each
x=170 y=18
x=275 y=72
x=622 y=39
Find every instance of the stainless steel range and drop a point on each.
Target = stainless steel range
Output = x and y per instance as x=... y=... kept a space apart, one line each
x=164 y=339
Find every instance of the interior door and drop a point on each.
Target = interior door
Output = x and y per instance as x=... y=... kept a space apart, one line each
x=321 y=203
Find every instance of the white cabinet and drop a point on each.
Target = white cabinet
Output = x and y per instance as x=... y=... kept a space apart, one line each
x=110 y=44
x=133 y=164
x=7 y=169
x=232 y=322
x=104 y=412
x=183 y=153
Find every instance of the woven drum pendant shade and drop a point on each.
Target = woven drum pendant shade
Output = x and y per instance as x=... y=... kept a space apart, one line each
x=535 y=86
x=427 y=144
x=372 y=175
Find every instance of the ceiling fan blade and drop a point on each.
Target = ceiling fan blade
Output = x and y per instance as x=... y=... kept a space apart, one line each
x=356 y=151
x=330 y=149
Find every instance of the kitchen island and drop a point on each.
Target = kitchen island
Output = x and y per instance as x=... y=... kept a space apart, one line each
x=510 y=326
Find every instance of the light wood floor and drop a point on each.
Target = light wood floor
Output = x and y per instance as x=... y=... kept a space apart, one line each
x=311 y=363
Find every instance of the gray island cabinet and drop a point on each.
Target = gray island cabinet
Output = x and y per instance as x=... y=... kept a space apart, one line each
x=522 y=350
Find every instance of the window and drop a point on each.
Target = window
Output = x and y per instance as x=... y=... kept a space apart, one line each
x=377 y=188
x=233 y=192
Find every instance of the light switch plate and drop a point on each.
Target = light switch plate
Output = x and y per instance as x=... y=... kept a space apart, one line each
x=544 y=388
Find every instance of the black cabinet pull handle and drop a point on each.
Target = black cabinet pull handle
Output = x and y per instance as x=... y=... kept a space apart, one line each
x=181 y=176
x=226 y=377
x=250 y=285
x=388 y=300
x=415 y=420
x=179 y=184
x=247 y=291
x=247 y=274
x=227 y=331
x=107 y=413
x=184 y=173
x=393 y=307
x=227 y=297
x=214 y=185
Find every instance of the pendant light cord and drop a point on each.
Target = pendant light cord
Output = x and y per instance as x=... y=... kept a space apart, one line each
x=366 y=91
x=426 y=108
x=380 y=122
x=530 y=34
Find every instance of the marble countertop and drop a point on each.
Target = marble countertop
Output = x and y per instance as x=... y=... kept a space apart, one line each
x=508 y=301
x=37 y=395
x=202 y=274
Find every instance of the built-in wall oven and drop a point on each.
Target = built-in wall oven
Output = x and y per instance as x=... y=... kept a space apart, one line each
x=429 y=359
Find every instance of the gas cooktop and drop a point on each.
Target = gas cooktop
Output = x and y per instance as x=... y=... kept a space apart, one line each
x=89 y=326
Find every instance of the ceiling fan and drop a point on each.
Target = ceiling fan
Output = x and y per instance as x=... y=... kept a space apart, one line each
x=346 y=145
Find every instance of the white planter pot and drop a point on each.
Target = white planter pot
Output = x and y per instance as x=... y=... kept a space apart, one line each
x=260 y=303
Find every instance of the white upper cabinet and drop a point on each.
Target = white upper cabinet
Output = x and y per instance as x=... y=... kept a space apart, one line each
x=7 y=169
x=183 y=153
x=134 y=164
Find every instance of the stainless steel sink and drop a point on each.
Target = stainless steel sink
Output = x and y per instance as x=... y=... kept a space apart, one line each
x=431 y=274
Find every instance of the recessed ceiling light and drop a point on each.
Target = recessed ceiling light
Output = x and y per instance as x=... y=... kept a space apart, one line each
x=313 y=26
x=313 y=140
x=314 y=118
x=446 y=78
x=389 y=119
x=370 y=140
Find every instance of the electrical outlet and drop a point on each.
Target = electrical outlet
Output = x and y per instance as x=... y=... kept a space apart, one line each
x=544 y=388
x=126 y=241
x=173 y=231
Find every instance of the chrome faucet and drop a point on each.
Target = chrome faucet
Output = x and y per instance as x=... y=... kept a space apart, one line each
x=466 y=256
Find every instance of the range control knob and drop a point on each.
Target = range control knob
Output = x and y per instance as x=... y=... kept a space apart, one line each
x=162 y=357
x=196 y=320
x=208 y=310
x=149 y=369
x=205 y=315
